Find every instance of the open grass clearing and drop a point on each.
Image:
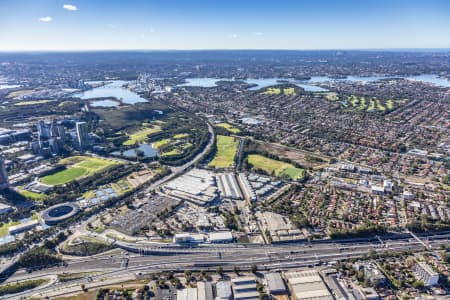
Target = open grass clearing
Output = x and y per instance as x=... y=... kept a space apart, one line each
x=226 y=151
x=33 y=102
x=32 y=195
x=181 y=136
x=272 y=91
x=289 y=91
x=141 y=135
x=161 y=143
x=275 y=167
x=229 y=127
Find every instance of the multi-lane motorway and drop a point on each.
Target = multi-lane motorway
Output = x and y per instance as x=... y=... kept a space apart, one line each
x=113 y=268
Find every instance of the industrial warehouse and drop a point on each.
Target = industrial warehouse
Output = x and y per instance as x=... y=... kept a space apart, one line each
x=203 y=187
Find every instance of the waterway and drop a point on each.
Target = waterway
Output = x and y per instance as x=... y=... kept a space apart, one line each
x=112 y=89
x=105 y=103
x=9 y=86
x=310 y=85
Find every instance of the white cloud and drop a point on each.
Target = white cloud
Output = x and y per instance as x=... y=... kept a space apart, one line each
x=45 y=19
x=70 y=7
x=259 y=33
x=233 y=36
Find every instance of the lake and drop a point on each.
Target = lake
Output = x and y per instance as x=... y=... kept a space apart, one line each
x=148 y=150
x=105 y=103
x=113 y=89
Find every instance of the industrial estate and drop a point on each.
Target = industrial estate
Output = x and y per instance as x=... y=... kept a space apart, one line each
x=245 y=175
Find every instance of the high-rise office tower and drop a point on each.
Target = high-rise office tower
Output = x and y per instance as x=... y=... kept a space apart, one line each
x=82 y=134
x=4 y=183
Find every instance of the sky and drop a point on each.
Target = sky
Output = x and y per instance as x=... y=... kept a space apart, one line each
x=28 y=25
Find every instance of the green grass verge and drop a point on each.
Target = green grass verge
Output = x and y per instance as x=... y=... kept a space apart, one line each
x=226 y=151
x=17 y=287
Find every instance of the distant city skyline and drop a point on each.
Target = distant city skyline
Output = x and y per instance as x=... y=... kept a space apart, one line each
x=79 y=25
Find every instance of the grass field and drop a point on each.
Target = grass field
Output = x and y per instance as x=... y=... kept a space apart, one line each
x=331 y=96
x=277 y=91
x=180 y=136
x=79 y=166
x=226 y=151
x=273 y=91
x=64 y=176
x=172 y=152
x=229 y=127
x=24 y=103
x=289 y=91
x=32 y=195
x=161 y=143
x=16 y=287
x=275 y=167
x=141 y=135
x=390 y=104
x=5 y=226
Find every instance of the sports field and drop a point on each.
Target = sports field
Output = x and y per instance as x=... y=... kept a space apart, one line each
x=226 y=151
x=79 y=166
x=275 y=167
x=229 y=127
x=141 y=135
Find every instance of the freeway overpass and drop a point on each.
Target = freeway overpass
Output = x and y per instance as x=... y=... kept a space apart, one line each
x=269 y=257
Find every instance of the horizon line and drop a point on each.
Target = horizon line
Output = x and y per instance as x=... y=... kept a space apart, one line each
x=418 y=49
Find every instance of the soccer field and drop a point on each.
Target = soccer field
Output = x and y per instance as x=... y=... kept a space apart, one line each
x=78 y=166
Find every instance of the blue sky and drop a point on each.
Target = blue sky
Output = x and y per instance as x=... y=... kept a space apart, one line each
x=223 y=24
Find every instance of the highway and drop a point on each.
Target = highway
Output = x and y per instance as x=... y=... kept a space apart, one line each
x=125 y=266
x=176 y=171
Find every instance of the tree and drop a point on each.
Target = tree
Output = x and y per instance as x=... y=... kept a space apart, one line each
x=418 y=284
x=254 y=269
x=236 y=270
x=219 y=271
